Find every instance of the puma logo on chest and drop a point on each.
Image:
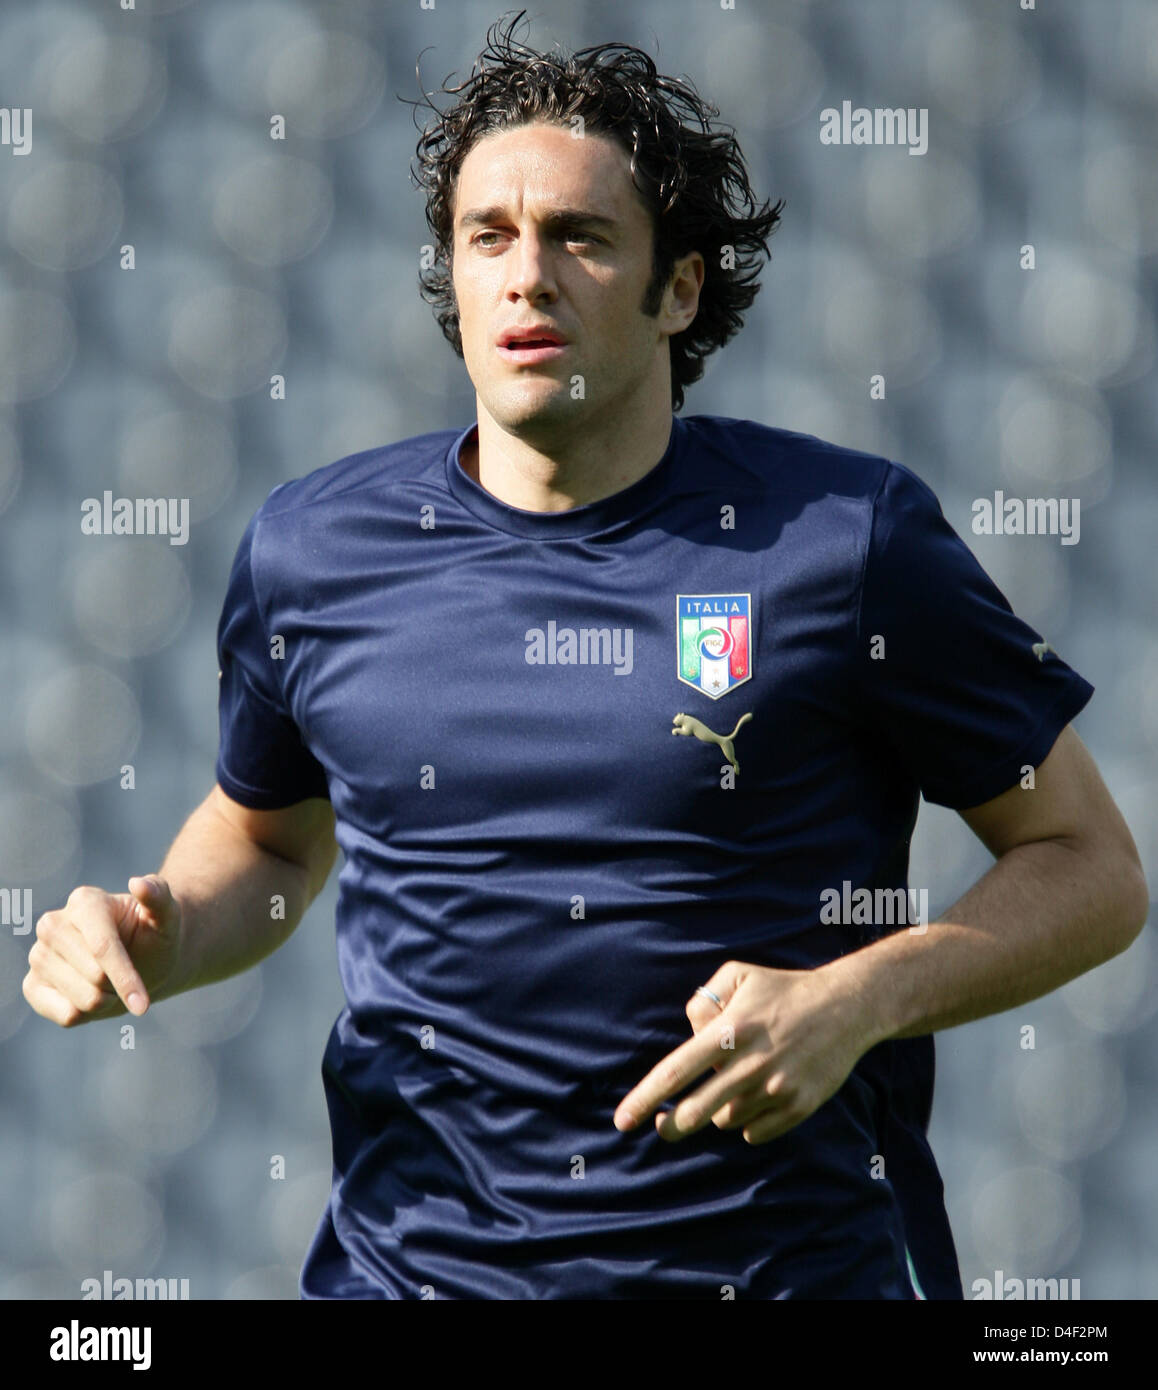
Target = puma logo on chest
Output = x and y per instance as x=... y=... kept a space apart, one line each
x=687 y=724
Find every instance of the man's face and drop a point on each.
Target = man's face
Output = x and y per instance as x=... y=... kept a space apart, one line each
x=549 y=231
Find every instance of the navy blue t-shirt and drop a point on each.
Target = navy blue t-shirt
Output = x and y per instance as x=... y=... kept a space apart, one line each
x=542 y=862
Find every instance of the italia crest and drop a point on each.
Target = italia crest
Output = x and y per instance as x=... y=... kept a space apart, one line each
x=714 y=641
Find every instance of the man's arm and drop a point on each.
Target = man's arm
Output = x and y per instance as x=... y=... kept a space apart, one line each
x=1067 y=893
x=210 y=917
x=225 y=868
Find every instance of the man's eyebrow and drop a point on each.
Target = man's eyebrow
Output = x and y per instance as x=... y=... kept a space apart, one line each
x=560 y=217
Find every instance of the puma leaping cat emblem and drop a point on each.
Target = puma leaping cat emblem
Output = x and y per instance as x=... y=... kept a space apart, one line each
x=686 y=724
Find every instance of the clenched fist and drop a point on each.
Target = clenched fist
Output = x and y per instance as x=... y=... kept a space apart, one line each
x=104 y=953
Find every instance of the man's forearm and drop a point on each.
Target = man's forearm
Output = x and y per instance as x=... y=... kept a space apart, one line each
x=231 y=893
x=1043 y=914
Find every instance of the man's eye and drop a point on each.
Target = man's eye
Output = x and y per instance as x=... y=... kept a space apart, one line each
x=565 y=235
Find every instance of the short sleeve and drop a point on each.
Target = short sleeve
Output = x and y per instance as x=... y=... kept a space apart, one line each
x=261 y=761
x=946 y=672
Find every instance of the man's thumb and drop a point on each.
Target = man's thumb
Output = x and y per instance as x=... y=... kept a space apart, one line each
x=151 y=891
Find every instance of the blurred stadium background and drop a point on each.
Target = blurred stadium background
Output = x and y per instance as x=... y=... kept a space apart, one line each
x=150 y=128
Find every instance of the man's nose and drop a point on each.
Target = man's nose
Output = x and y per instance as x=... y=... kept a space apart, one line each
x=531 y=273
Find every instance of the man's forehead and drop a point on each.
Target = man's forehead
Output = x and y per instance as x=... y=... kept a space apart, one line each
x=549 y=166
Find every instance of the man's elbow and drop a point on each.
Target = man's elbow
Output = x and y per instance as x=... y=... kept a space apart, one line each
x=1129 y=906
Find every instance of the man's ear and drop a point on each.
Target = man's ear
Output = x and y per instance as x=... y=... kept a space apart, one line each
x=682 y=296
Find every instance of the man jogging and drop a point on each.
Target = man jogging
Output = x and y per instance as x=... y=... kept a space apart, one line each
x=606 y=708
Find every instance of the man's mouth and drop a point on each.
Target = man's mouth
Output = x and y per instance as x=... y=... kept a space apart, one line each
x=532 y=349
x=530 y=337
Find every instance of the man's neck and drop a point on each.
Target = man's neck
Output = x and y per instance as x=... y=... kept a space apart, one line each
x=557 y=475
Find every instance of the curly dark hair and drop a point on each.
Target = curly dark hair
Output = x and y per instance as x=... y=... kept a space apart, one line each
x=691 y=176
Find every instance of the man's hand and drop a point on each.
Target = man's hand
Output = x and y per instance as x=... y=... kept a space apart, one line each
x=784 y=1043
x=103 y=953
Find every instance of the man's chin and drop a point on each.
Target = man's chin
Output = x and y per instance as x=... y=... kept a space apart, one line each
x=526 y=413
